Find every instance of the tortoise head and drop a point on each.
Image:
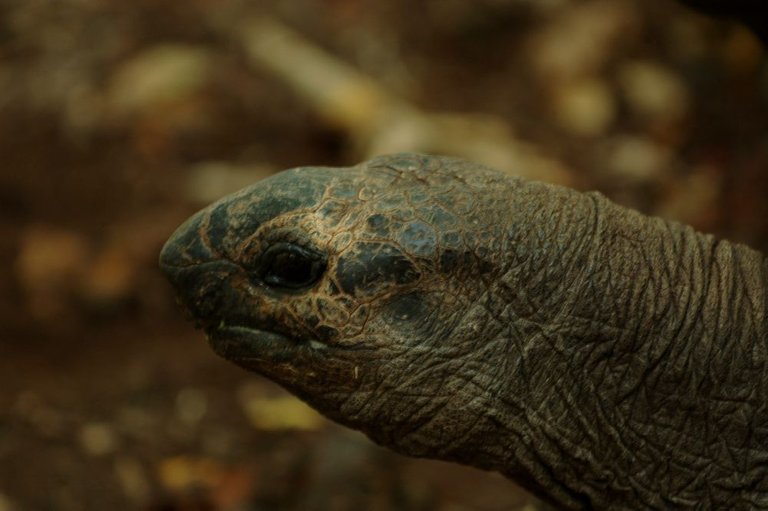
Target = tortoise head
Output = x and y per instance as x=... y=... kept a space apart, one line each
x=355 y=288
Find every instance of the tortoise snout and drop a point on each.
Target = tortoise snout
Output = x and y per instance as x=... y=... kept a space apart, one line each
x=187 y=246
x=202 y=289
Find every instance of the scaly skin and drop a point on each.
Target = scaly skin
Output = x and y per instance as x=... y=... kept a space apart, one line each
x=599 y=357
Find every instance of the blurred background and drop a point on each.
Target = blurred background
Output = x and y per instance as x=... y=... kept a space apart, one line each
x=119 y=119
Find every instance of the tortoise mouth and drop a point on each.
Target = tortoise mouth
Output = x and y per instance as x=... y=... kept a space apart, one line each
x=238 y=342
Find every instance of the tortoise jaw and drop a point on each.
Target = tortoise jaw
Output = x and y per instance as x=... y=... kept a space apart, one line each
x=209 y=297
x=239 y=342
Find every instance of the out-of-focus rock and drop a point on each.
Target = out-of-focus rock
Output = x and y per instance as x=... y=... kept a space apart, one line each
x=580 y=40
x=217 y=485
x=481 y=138
x=156 y=76
x=210 y=181
x=181 y=472
x=653 y=92
x=55 y=266
x=694 y=198
x=218 y=442
x=48 y=266
x=45 y=419
x=743 y=53
x=97 y=439
x=585 y=107
x=276 y=412
x=160 y=95
x=635 y=160
x=686 y=37
x=109 y=279
x=62 y=272
x=6 y=504
x=377 y=120
x=137 y=423
x=133 y=479
x=191 y=406
x=348 y=461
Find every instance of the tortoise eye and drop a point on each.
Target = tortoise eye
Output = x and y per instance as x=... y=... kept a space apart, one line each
x=289 y=266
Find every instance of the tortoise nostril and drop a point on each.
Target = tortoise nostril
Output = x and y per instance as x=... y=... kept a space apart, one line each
x=204 y=308
x=208 y=303
x=201 y=289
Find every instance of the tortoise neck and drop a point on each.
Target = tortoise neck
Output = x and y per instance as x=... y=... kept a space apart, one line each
x=625 y=335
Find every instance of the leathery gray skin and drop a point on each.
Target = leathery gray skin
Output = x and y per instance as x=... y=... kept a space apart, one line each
x=598 y=357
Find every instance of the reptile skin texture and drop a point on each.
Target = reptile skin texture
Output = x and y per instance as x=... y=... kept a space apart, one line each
x=601 y=358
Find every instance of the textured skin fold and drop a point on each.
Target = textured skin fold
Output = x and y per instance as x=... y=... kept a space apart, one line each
x=599 y=357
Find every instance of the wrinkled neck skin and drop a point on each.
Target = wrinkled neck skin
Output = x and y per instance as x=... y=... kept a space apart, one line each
x=625 y=361
x=601 y=358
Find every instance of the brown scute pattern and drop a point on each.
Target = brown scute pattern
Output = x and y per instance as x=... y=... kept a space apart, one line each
x=601 y=358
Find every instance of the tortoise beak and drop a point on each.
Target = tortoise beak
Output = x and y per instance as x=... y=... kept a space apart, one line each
x=196 y=270
x=187 y=245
